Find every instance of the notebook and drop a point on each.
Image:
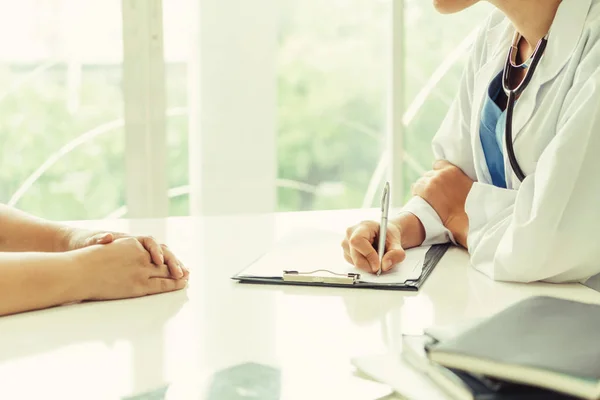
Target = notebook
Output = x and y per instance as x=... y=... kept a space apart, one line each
x=315 y=257
x=541 y=341
x=462 y=385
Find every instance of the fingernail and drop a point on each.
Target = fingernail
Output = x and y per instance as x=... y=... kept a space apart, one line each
x=387 y=265
x=162 y=259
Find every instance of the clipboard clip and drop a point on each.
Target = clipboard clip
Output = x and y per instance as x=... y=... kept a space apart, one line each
x=311 y=277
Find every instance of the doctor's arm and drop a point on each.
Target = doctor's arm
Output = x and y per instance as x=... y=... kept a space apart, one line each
x=547 y=230
x=418 y=222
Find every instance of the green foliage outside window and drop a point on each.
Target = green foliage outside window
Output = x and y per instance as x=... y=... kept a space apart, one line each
x=332 y=97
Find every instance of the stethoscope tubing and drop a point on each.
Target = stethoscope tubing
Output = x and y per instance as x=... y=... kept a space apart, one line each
x=513 y=94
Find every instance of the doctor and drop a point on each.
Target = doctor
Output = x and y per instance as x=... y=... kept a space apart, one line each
x=521 y=192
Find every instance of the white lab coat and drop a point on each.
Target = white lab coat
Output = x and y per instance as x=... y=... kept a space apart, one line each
x=546 y=228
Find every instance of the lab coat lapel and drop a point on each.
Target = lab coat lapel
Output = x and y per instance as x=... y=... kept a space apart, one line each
x=525 y=106
x=495 y=38
x=562 y=40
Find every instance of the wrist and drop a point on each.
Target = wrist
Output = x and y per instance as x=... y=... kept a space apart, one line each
x=76 y=262
x=459 y=226
x=63 y=238
x=412 y=231
x=71 y=238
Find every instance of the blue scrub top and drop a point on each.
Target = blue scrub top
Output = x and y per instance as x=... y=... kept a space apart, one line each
x=491 y=131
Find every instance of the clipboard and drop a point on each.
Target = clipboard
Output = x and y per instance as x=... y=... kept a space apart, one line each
x=325 y=277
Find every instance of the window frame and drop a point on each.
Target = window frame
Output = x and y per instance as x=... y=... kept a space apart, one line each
x=394 y=149
x=144 y=96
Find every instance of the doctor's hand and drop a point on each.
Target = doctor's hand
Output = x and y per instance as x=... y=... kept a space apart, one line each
x=446 y=189
x=359 y=246
x=160 y=254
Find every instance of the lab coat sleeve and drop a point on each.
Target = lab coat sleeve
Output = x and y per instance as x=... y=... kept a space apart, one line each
x=452 y=143
x=548 y=229
x=435 y=231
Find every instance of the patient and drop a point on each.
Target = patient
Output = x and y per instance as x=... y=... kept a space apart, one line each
x=44 y=264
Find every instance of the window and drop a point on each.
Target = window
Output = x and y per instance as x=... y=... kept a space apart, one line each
x=332 y=79
x=179 y=27
x=281 y=105
x=437 y=48
x=333 y=83
x=61 y=109
x=61 y=127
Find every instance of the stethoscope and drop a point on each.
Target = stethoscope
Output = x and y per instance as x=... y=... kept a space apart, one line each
x=512 y=94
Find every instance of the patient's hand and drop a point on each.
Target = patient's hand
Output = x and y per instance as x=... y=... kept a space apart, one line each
x=160 y=254
x=121 y=269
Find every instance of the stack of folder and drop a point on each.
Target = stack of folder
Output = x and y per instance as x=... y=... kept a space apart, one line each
x=540 y=348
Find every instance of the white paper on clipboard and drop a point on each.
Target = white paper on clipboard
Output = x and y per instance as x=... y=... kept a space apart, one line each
x=308 y=251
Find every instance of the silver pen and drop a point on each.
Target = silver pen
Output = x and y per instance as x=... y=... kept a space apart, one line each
x=385 y=207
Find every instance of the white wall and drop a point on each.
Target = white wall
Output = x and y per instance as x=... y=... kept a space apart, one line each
x=233 y=108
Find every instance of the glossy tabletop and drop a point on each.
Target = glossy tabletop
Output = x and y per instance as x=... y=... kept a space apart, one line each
x=296 y=341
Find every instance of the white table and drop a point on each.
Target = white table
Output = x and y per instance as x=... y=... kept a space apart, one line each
x=113 y=350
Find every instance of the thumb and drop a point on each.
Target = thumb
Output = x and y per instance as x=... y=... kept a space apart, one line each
x=100 y=238
x=394 y=252
x=394 y=255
